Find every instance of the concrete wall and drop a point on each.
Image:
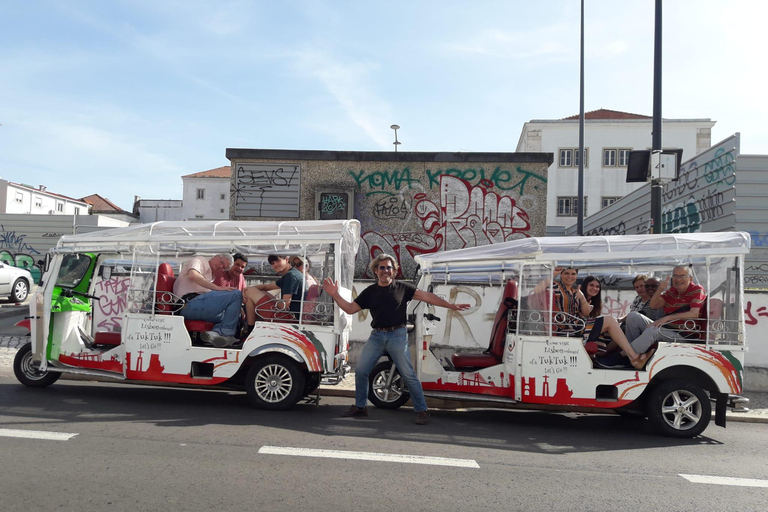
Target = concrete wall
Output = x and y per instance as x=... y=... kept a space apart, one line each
x=407 y=203
x=24 y=239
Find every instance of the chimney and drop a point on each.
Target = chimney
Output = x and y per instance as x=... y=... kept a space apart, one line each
x=42 y=188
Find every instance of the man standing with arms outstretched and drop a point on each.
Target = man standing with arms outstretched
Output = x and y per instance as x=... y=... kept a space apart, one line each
x=387 y=300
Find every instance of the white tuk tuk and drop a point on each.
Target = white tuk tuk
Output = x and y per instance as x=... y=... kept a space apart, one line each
x=107 y=308
x=531 y=361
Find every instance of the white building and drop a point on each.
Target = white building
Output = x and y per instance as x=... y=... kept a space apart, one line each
x=20 y=198
x=206 y=194
x=609 y=135
x=154 y=210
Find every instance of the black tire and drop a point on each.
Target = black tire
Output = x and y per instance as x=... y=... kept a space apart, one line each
x=27 y=374
x=382 y=396
x=677 y=408
x=312 y=383
x=19 y=291
x=275 y=382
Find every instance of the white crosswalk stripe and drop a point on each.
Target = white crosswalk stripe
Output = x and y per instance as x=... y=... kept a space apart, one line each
x=36 y=434
x=725 y=480
x=378 y=457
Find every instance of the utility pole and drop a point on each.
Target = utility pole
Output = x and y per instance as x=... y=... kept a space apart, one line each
x=656 y=142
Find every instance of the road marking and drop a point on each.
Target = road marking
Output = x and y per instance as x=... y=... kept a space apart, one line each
x=725 y=480
x=379 y=457
x=36 y=434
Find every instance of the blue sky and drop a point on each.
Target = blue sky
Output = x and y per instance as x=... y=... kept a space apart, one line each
x=122 y=98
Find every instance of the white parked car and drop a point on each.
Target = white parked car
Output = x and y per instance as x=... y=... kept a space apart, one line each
x=15 y=283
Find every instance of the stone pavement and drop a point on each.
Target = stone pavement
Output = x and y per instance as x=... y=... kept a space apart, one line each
x=758 y=402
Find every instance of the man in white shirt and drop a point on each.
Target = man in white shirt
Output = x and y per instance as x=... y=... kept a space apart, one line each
x=207 y=301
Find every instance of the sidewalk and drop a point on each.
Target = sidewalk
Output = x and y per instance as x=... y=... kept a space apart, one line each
x=758 y=402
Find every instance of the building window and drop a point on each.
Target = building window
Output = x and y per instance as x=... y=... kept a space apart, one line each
x=568 y=206
x=77 y=210
x=38 y=202
x=201 y=193
x=223 y=197
x=609 y=158
x=59 y=207
x=570 y=157
x=616 y=157
x=608 y=201
x=221 y=211
x=19 y=197
x=198 y=216
x=624 y=157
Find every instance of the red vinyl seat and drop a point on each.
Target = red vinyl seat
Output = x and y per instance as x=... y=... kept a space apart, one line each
x=493 y=355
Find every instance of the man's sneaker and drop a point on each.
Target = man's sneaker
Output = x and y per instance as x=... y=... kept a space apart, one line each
x=355 y=412
x=422 y=418
x=224 y=341
x=208 y=336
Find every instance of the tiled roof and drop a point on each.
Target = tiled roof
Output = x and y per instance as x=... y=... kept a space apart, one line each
x=46 y=191
x=219 y=172
x=101 y=204
x=604 y=113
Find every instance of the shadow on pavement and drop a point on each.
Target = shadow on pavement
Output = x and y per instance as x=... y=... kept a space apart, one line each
x=527 y=431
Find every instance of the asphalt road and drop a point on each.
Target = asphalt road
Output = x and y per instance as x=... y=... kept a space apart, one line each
x=146 y=448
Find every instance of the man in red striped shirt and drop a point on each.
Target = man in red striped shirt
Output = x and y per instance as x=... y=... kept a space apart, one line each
x=681 y=302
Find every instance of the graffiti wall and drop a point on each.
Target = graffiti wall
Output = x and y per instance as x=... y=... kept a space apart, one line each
x=417 y=203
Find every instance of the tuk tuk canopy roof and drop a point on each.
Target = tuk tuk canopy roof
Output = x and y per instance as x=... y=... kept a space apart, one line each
x=213 y=235
x=624 y=248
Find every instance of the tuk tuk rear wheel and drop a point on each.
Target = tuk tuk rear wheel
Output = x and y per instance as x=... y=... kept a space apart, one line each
x=26 y=372
x=386 y=397
x=677 y=408
x=275 y=382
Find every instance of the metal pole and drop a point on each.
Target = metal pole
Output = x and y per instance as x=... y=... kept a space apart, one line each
x=580 y=222
x=656 y=142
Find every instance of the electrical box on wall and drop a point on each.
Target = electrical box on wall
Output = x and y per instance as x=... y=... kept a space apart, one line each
x=334 y=204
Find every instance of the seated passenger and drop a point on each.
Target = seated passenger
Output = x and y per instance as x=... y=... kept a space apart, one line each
x=207 y=301
x=681 y=302
x=566 y=298
x=597 y=325
x=291 y=286
x=638 y=319
x=302 y=265
x=233 y=278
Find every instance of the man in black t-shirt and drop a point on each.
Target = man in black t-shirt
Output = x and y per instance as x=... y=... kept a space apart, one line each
x=387 y=300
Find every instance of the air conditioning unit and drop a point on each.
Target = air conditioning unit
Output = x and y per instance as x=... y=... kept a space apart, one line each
x=50 y=212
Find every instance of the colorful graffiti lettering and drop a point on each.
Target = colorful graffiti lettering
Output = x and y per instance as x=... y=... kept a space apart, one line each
x=468 y=216
x=384 y=179
x=10 y=240
x=721 y=167
x=332 y=203
x=113 y=293
x=500 y=178
x=762 y=311
x=391 y=207
x=24 y=261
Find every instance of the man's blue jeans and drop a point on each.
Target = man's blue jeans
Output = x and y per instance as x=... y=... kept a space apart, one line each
x=395 y=343
x=221 y=308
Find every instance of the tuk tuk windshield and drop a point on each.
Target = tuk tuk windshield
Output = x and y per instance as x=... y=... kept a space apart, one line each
x=73 y=268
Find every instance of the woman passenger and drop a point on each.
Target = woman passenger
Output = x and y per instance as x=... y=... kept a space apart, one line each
x=597 y=325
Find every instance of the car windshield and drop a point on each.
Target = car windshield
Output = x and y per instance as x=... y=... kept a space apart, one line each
x=73 y=268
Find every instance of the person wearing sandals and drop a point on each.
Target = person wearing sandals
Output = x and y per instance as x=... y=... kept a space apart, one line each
x=387 y=301
x=597 y=325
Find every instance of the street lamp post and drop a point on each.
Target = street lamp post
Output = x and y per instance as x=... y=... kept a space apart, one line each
x=396 y=143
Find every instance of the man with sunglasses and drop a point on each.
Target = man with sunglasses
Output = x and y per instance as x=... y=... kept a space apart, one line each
x=681 y=302
x=387 y=301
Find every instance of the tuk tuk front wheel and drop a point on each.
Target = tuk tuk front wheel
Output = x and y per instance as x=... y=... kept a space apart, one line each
x=27 y=373
x=677 y=408
x=384 y=392
x=275 y=382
